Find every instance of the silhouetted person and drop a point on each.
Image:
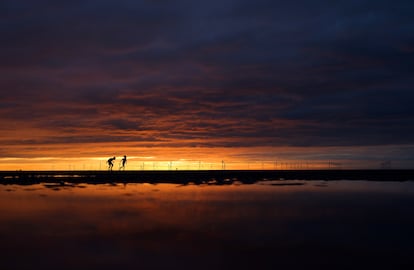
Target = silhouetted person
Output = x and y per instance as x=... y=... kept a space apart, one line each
x=111 y=163
x=123 y=163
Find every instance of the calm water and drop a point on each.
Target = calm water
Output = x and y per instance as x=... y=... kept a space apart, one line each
x=268 y=225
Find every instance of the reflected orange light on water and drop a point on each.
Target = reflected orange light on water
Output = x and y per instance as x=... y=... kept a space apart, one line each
x=54 y=226
x=131 y=208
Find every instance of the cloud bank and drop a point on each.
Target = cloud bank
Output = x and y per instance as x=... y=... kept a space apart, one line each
x=228 y=73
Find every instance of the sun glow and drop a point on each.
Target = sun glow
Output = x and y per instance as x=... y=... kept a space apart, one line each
x=145 y=164
x=94 y=157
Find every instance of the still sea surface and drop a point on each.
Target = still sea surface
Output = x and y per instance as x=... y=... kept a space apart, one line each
x=265 y=225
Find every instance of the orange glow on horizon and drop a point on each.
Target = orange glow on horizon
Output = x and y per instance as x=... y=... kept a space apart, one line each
x=95 y=156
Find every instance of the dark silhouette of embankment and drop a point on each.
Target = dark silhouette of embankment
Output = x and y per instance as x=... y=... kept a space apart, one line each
x=199 y=177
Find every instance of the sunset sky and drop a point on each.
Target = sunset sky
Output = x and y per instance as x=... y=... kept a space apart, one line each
x=186 y=84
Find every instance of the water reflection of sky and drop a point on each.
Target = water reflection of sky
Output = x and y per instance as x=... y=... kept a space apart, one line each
x=265 y=225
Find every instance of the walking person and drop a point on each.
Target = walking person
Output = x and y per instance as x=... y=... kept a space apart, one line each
x=123 y=163
x=110 y=163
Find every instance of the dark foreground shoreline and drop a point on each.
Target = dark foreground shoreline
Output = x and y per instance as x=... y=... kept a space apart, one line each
x=199 y=176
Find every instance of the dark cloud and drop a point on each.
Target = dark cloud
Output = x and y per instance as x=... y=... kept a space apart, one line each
x=226 y=73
